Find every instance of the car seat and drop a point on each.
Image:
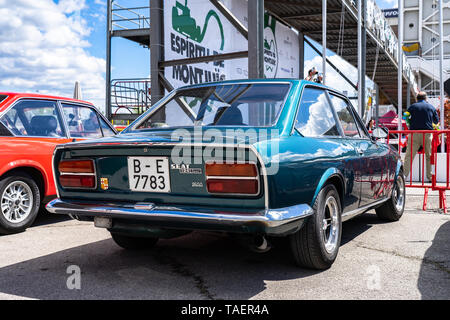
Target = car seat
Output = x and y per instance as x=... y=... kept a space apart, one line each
x=44 y=126
x=232 y=116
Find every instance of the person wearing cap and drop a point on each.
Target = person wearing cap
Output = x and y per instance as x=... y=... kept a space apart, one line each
x=311 y=73
x=423 y=115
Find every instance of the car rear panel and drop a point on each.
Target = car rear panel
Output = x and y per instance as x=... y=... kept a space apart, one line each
x=187 y=184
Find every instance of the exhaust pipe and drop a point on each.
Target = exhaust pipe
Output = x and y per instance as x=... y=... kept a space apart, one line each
x=260 y=244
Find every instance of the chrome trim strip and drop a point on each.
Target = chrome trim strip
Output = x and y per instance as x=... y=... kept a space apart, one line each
x=266 y=217
x=54 y=173
x=351 y=214
x=64 y=120
x=231 y=178
x=76 y=174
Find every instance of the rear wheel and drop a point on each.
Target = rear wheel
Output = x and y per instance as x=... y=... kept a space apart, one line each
x=392 y=210
x=133 y=243
x=316 y=245
x=19 y=202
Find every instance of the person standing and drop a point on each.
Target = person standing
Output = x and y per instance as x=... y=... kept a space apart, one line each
x=423 y=115
x=311 y=73
x=319 y=78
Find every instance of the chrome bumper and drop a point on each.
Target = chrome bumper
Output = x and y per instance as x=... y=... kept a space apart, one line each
x=270 y=221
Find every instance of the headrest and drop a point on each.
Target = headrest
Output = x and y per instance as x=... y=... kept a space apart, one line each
x=43 y=125
x=232 y=116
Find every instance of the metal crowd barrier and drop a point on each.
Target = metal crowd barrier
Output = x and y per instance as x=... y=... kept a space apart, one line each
x=405 y=137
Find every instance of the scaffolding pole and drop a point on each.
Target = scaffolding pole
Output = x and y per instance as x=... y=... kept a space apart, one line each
x=377 y=105
x=156 y=49
x=360 y=76
x=400 y=64
x=256 y=39
x=108 y=111
x=363 y=56
x=301 y=54
x=441 y=62
x=324 y=40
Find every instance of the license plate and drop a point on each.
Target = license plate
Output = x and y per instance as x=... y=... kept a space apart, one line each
x=149 y=174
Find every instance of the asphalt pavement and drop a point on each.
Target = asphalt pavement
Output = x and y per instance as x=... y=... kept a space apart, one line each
x=409 y=259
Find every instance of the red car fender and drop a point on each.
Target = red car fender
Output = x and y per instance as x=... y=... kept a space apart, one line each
x=27 y=163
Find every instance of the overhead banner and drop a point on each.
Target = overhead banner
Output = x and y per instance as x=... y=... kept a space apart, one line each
x=195 y=28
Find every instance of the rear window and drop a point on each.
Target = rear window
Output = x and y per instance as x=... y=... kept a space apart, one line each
x=254 y=104
x=2 y=97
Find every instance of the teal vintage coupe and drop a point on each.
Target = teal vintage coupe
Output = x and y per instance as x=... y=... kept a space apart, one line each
x=257 y=158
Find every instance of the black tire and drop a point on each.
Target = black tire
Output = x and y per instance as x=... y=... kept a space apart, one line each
x=7 y=226
x=308 y=244
x=389 y=211
x=133 y=243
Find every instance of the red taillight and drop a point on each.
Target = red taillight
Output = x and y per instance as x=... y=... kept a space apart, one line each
x=76 y=166
x=77 y=174
x=231 y=169
x=232 y=186
x=77 y=181
x=232 y=178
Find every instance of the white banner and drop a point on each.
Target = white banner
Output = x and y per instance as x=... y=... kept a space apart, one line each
x=195 y=28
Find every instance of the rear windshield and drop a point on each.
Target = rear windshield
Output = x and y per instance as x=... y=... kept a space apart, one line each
x=256 y=105
x=2 y=97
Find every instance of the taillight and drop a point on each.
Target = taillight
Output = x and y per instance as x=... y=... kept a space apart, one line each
x=77 y=174
x=231 y=169
x=77 y=181
x=76 y=166
x=232 y=178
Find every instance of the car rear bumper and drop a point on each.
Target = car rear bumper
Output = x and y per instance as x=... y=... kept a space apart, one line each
x=281 y=221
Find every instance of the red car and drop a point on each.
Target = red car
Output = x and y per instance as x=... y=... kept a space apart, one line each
x=31 y=125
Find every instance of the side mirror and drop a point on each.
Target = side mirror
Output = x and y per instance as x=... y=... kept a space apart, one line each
x=380 y=133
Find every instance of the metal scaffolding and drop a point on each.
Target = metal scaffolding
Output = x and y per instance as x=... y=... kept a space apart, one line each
x=358 y=44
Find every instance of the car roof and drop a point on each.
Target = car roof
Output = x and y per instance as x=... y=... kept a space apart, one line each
x=17 y=95
x=265 y=80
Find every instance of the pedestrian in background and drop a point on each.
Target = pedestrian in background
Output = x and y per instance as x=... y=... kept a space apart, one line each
x=370 y=124
x=311 y=73
x=319 y=78
x=423 y=115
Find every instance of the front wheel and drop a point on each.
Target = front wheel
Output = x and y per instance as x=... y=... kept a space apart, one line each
x=316 y=244
x=19 y=203
x=133 y=243
x=392 y=210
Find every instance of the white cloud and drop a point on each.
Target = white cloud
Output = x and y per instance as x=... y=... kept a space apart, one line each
x=70 y=6
x=43 y=48
x=100 y=2
x=392 y=3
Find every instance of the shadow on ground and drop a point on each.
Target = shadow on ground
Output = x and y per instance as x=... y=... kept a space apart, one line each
x=45 y=218
x=436 y=257
x=196 y=266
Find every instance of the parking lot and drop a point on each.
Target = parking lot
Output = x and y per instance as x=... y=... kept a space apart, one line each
x=409 y=259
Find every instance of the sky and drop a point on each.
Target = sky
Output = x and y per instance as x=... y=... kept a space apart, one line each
x=47 y=45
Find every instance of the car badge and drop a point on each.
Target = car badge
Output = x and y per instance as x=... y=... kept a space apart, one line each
x=104 y=183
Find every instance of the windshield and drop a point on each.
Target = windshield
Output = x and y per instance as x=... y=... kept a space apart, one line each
x=256 y=105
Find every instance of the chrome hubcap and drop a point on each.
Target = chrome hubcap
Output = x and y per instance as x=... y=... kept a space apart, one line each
x=398 y=194
x=16 y=202
x=330 y=224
